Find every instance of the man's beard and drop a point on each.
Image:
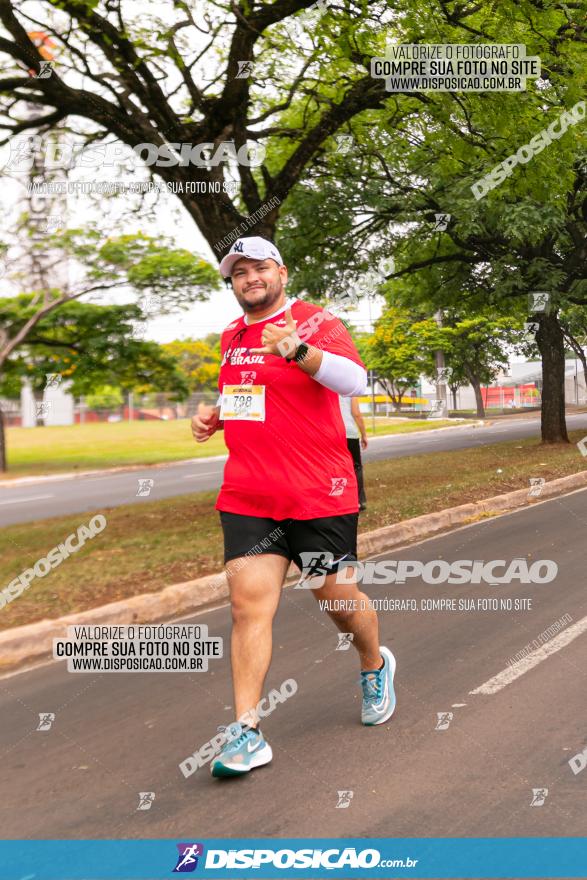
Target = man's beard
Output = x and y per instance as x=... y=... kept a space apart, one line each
x=273 y=292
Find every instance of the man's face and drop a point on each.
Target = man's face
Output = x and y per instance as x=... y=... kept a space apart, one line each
x=257 y=284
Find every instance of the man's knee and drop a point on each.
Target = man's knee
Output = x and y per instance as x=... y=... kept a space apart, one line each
x=251 y=600
x=244 y=607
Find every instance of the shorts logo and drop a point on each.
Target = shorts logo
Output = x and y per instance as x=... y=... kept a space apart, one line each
x=187 y=859
x=315 y=567
x=248 y=378
x=338 y=485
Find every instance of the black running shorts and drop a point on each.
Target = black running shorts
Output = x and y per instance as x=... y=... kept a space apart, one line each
x=333 y=536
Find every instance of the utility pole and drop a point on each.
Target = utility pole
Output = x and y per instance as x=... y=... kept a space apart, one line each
x=372 y=401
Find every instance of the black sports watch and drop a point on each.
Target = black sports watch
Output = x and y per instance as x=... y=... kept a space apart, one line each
x=301 y=352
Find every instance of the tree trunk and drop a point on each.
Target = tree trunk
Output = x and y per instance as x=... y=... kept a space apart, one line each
x=550 y=342
x=3 y=467
x=478 y=395
x=393 y=392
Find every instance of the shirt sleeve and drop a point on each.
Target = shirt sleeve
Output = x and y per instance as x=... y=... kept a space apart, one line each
x=329 y=334
x=341 y=374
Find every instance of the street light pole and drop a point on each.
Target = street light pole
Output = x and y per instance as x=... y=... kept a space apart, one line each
x=372 y=402
x=442 y=412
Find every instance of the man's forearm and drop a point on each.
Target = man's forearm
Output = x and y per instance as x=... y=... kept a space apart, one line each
x=340 y=374
x=312 y=361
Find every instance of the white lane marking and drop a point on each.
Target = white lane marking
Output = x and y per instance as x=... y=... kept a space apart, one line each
x=24 y=500
x=203 y=474
x=506 y=676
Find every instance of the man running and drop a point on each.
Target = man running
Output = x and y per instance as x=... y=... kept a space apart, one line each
x=289 y=490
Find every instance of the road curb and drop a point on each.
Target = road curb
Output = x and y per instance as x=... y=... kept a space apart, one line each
x=26 y=644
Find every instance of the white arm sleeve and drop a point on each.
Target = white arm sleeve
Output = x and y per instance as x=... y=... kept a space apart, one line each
x=341 y=375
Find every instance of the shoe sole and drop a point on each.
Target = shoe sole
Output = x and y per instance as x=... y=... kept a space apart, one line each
x=263 y=756
x=389 y=713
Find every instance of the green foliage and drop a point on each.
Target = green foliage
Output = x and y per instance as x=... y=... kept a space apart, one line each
x=477 y=347
x=399 y=350
x=420 y=154
x=90 y=345
x=104 y=397
x=149 y=265
x=198 y=361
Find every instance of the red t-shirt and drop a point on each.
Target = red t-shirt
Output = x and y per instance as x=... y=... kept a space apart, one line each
x=296 y=463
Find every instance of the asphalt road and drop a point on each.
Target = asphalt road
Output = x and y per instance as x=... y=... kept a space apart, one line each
x=115 y=735
x=40 y=499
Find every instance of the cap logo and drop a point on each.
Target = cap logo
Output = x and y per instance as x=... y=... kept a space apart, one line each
x=238 y=247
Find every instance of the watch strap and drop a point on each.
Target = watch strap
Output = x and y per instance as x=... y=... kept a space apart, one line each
x=301 y=352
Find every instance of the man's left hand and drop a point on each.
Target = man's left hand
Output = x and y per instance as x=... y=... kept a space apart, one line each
x=280 y=341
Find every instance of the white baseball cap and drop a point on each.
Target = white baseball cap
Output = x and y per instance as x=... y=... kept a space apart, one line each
x=254 y=247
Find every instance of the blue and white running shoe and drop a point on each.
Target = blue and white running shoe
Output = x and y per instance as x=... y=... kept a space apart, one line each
x=244 y=750
x=378 y=693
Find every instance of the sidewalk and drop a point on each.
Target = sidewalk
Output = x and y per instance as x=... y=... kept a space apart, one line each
x=24 y=645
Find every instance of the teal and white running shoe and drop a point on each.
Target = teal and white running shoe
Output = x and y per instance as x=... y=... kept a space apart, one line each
x=243 y=751
x=378 y=693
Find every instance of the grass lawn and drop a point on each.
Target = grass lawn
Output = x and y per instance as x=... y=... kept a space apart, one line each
x=102 y=444
x=146 y=547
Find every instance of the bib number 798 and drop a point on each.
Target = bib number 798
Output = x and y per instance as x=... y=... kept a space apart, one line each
x=244 y=402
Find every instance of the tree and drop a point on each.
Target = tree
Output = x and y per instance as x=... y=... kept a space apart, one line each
x=104 y=397
x=153 y=83
x=285 y=76
x=529 y=236
x=146 y=266
x=396 y=352
x=477 y=348
x=105 y=263
x=90 y=345
x=417 y=161
x=197 y=360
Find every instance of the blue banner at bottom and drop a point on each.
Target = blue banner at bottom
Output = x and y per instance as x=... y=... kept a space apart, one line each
x=306 y=858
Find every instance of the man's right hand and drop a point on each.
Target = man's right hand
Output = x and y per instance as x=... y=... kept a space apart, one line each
x=205 y=422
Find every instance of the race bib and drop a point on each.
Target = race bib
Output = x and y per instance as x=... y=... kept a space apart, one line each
x=245 y=402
